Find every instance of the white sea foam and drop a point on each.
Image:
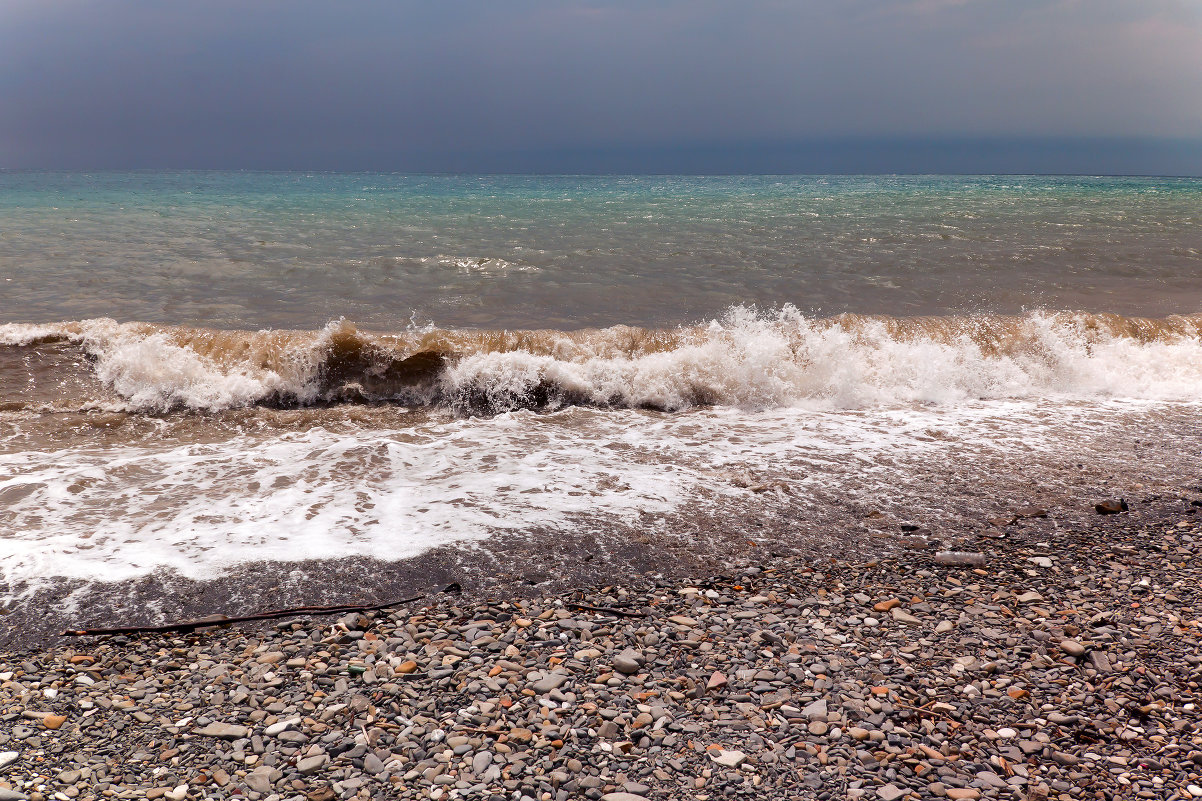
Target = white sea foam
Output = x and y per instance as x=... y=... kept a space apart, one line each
x=118 y=511
x=761 y=361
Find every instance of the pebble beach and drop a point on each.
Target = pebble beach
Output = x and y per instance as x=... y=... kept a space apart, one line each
x=1067 y=666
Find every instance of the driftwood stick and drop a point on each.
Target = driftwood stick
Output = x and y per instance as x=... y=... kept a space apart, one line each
x=608 y=610
x=222 y=621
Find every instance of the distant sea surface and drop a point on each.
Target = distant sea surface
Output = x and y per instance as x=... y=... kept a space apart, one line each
x=201 y=370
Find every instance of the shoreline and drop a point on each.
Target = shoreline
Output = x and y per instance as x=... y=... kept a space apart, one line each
x=1066 y=667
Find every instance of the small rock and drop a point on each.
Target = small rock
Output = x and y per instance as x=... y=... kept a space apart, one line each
x=280 y=726
x=1072 y=648
x=224 y=731
x=728 y=759
x=628 y=662
x=815 y=710
x=890 y=792
x=554 y=681
x=260 y=779
x=310 y=765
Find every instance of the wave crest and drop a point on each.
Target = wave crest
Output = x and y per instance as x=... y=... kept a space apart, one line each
x=748 y=358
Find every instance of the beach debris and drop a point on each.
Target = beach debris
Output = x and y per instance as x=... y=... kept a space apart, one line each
x=205 y=622
x=960 y=559
x=1111 y=507
x=604 y=610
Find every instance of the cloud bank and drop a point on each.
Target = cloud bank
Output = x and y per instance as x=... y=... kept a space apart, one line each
x=472 y=83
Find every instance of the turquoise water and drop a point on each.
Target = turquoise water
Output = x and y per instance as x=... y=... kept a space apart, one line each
x=295 y=250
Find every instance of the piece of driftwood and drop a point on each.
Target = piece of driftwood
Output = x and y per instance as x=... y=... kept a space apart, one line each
x=608 y=610
x=273 y=614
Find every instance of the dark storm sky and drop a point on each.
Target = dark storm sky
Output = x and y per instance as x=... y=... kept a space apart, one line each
x=611 y=85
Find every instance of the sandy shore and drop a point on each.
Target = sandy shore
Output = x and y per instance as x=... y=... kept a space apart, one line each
x=1066 y=667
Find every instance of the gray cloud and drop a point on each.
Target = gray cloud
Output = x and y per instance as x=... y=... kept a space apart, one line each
x=431 y=85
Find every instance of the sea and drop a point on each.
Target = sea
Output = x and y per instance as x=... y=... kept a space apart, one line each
x=205 y=373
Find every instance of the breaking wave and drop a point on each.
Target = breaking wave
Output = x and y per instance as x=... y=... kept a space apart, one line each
x=749 y=359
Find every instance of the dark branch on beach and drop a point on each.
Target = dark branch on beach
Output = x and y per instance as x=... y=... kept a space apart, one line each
x=606 y=610
x=218 y=620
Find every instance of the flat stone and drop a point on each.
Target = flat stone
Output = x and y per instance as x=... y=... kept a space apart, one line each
x=280 y=726
x=1072 y=648
x=628 y=662
x=7 y=794
x=8 y=757
x=728 y=759
x=890 y=792
x=310 y=765
x=904 y=617
x=962 y=793
x=259 y=780
x=480 y=762
x=623 y=796
x=551 y=681
x=224 y=731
